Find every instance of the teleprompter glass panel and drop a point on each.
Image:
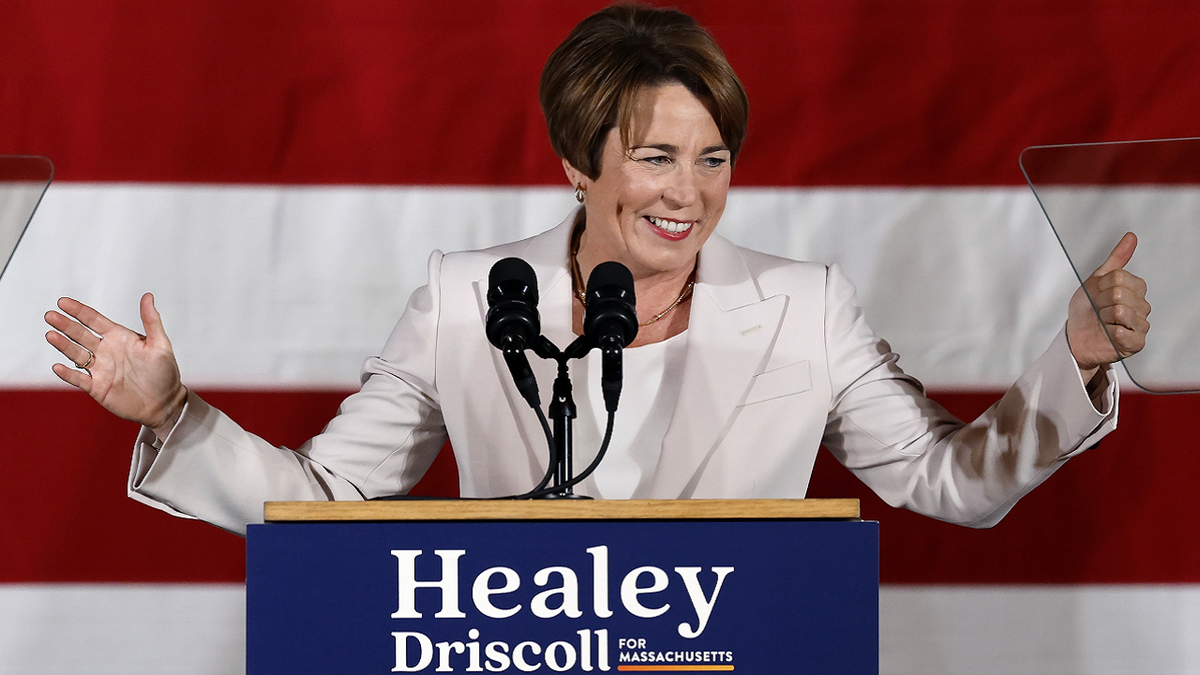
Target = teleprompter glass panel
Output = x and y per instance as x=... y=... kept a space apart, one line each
x=23 y=181
x=1092 y=194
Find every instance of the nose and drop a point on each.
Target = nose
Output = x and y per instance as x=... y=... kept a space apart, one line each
x=681 y=189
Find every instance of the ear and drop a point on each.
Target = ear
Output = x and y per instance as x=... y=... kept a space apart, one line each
x=575 y=176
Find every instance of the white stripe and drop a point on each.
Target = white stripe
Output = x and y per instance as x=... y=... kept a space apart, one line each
x=267 y=286
x=122 y=629
x=1051 y=630
x=200 y=629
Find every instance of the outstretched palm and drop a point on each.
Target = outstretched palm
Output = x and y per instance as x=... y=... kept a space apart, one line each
x=133 y=376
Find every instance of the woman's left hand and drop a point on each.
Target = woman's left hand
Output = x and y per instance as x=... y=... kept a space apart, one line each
x=1120 y=298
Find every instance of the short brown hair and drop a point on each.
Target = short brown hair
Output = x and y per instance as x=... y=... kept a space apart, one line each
x=590 y=81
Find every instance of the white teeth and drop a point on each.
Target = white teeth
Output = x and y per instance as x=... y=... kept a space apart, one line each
x=671 y=226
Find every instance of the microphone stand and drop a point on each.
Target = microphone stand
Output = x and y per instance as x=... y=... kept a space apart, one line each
x=563 y=412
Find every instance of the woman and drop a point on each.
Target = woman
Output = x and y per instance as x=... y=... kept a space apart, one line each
x=744 y=363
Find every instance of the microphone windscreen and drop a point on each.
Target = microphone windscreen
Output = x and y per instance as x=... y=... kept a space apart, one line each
x=512 y=269
x=611 y=308
x=611 y=273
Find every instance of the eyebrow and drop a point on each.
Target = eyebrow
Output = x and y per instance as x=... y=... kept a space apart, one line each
x=667 y=147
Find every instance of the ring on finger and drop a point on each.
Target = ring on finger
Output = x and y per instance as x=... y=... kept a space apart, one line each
x=85 y=364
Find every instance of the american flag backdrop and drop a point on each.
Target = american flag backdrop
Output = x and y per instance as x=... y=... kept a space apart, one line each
x=278 y=171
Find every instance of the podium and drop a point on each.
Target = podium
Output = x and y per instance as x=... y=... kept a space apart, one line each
x=750 y=586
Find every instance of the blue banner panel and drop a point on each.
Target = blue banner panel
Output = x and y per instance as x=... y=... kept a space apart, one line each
x=563 y=597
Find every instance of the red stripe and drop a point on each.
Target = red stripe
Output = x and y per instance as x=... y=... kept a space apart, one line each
x=843 y=92
x=1118 y=514
x=66 y=514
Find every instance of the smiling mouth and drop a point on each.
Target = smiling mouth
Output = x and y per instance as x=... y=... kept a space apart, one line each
x=674 y=228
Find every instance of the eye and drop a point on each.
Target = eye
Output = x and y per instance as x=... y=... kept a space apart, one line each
x=713 y=162
x=656 y=160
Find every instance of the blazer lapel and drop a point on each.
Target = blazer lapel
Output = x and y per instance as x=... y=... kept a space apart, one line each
x=730 y=331
x=546 y=253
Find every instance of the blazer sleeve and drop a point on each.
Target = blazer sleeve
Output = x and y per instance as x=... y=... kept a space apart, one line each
x=381 y=442
x=916 y=455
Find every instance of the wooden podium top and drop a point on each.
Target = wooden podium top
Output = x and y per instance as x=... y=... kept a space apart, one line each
x=563 y=509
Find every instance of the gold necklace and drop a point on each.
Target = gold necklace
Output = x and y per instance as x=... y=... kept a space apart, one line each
x=577 y=281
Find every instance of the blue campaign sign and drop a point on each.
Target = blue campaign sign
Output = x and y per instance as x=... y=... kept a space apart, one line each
x=779 y=596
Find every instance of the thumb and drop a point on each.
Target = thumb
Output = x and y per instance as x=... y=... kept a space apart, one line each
x=1120 y=255
x=151 y=320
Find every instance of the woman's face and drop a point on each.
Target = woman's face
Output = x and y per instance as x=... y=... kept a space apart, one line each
x=656 y=202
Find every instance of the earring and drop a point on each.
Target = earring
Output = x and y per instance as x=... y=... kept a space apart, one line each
x=579 y=193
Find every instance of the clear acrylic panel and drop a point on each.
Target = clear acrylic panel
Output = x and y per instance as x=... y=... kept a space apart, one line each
x=23 y=181
x=1092 y=194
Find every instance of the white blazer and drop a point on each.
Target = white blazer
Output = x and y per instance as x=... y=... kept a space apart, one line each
x=779 y=361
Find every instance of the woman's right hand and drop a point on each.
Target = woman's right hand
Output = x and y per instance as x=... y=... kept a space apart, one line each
x=133 y=376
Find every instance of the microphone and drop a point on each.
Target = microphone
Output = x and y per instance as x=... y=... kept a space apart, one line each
x=610 y=322
x=512 y=320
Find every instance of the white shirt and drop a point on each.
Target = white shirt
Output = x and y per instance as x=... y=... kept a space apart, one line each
x=643 y=413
